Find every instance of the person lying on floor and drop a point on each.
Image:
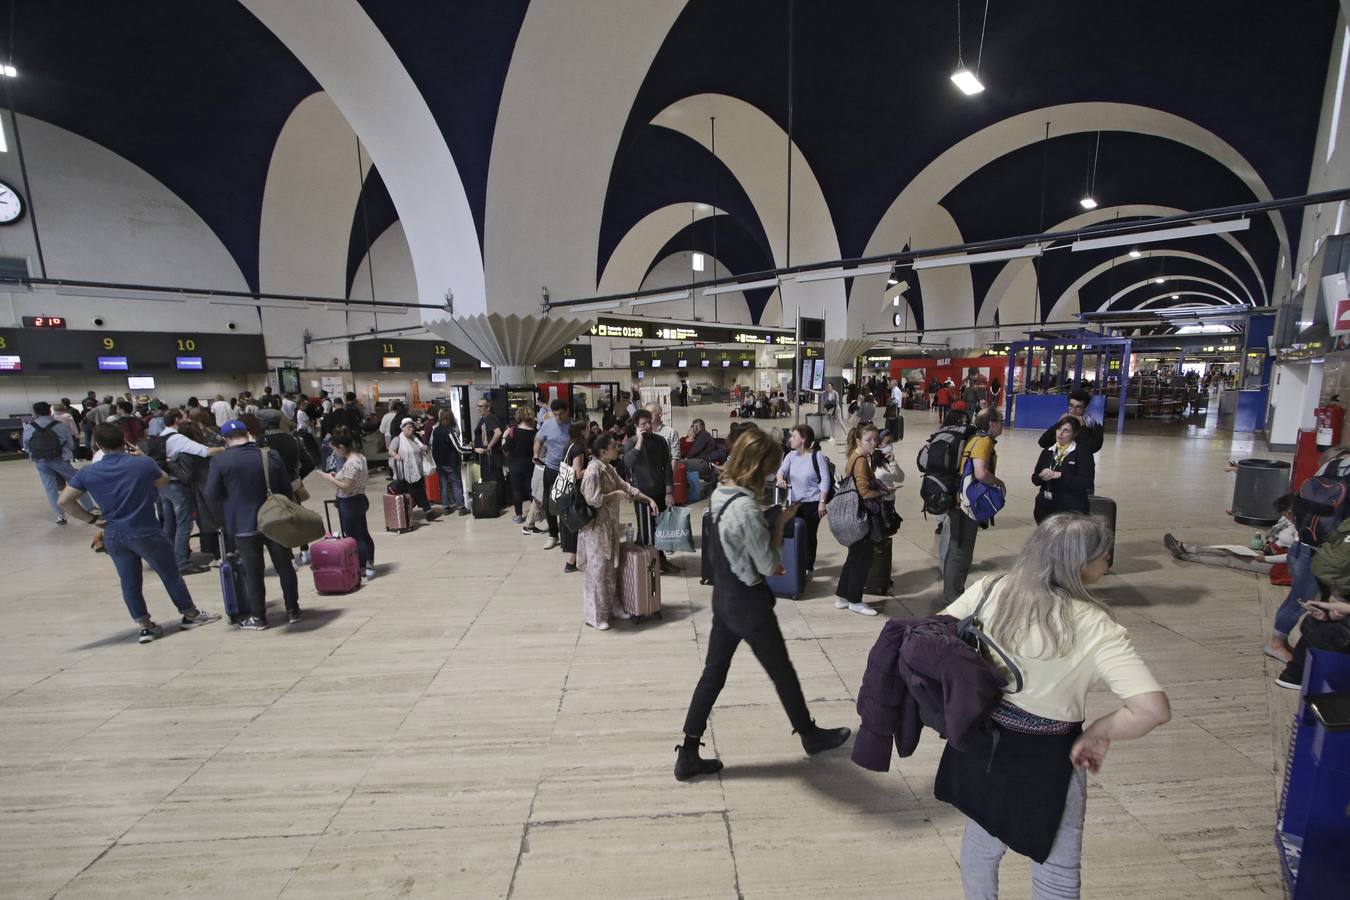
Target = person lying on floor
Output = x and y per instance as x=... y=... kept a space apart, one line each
x=1274 y=546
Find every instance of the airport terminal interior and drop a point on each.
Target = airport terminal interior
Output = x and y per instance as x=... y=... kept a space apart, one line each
x=437 y=652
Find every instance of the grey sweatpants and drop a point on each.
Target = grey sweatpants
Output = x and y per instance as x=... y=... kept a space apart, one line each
x=1055 y=879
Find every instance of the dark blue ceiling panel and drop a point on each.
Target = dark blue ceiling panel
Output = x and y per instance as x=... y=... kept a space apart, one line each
x=375 y=213
x=737 y=248
x=873 y=104
x=658 y=167
x=458 y=55
x=194 y=93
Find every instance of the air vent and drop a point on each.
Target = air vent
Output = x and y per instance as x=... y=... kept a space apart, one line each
x=59 y=367
x=13 y=267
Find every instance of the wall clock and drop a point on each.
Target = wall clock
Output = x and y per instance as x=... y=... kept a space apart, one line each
x=11 y=205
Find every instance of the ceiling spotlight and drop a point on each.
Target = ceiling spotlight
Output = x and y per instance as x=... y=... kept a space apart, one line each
x=1088 y=203
x=1176 y=296
x=9 y=71
x=1159 y=280
x=698 y=262
x=892 y=282
x=1134 y=253
x=967 y=82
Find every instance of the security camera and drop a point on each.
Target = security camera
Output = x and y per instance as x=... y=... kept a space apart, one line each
x=98 y=321
x=233 y=326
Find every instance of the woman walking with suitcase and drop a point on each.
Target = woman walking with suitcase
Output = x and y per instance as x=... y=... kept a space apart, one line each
x=599 y=541
x=744 y=550
x=805 y=472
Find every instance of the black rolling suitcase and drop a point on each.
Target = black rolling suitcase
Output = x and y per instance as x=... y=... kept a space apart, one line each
x=705 y=563
x=483 y=500
x=879 y=573
x=895 y=424
x=1105 y=508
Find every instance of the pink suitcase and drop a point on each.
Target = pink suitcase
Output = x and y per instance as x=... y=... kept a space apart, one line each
x=337 y=570
x=397 y=513
x=640 y=580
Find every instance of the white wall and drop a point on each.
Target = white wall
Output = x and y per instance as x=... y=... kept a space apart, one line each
x=1319 y=222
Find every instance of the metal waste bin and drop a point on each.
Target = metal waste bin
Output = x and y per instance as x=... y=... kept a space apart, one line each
x=819 y=424
x=1259 y=483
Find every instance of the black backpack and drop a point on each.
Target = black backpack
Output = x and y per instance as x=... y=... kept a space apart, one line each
x=156 y=448
x=44 y=442
x=939 y=460
x=1322 y=503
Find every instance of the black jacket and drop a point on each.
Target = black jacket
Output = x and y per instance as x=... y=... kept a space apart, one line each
x=1091 y=436
x=446 y=449
x=292 y=451
x=650 y=467
x=236 y=482
x=1069 y=492
x=342 y=418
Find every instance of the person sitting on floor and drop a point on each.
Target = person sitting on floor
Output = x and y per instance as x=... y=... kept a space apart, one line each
x=1274 y=546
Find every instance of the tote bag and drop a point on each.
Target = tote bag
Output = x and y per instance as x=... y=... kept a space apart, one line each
x=673 y=531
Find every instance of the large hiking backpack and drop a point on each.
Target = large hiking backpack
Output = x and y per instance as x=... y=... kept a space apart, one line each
x=44 y=442
x=1321 y=506
x=939 y=460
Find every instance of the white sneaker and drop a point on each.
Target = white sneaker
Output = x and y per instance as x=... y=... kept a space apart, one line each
x=620 y=613
x=840 y=603
x=603 y=626
x=303 y=559
x=552 y=542
x=368 y=574
x=862 y=609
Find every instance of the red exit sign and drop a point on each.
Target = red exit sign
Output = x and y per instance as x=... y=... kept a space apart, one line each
x=44 y=322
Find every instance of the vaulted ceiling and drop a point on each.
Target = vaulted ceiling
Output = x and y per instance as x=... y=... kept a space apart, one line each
x=196 y=94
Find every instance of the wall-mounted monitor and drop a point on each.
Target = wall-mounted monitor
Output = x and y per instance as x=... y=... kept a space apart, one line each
x=745 y=364
x=726 y=364
x=682 y=363
x=569 y=362
x=11 y=364
x=442 y=362
x=391 y=362
x=641 y=375
x=112 y=364
x=656 y=363
x=705 y=363
x=438 y=378
x=188 y=363
x=818 y=380
x=141 y=382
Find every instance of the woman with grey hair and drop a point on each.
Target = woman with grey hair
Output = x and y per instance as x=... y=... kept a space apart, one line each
x=1025 y=786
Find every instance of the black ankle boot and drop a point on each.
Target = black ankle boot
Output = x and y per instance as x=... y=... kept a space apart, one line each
x=689 y=765
x=817 y=740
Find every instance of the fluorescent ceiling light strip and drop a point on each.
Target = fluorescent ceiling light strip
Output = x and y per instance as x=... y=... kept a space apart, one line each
x=608 y=304
x=1166 y=234
x=965 y=259
x=831 y=274
x=661 y=298
x=740 y=286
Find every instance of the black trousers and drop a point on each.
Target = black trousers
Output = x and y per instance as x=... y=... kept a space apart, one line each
x=809 y=513
x=766 y=642
x=250 y=550
x=352 y=515
x=521 y=473
x=853 y=577
x=550 y=476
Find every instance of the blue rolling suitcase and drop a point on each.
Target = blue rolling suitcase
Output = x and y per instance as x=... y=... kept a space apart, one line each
x=231 y=582
x=792 y=582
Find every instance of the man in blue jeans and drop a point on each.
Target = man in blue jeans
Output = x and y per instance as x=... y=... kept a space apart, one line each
x=175 y=499
x=51 y=447
x=126 y=484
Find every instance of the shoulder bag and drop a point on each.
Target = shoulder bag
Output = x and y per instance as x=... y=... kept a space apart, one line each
x=283 y=520
x=971 y=631
x=848 y=519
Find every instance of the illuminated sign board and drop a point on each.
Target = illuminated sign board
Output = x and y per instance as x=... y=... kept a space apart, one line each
x=44 y=322
x=112 y=364
x=391 y=362
x=188 y=363
x=11 y=364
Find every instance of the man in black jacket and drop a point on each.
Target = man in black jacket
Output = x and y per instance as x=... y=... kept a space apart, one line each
x=237 y=482
x=647 y=456
x=1092 y=435
x=294 y=455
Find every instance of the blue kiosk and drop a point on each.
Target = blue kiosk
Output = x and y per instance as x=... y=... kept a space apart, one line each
x=1112 y=359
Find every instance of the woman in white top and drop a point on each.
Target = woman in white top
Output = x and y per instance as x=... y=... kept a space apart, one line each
x=1026 y=788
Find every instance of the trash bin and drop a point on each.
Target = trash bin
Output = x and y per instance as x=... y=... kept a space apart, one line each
x=820 y=425
x=1259 y=483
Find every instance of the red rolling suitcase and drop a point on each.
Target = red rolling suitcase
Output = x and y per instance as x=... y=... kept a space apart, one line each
x=679 y=492
x=397 y=512
x=337 y=570
x=432 y=483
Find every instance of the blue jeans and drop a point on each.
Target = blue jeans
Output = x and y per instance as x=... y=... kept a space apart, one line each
x=452 y=486
x=175 y=519
x=128 y=550
x=1304 y=587
x=54 y=475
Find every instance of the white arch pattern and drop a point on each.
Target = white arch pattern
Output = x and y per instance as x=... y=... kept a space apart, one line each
x=1233 y=298
x=1070 y=294
x=384 y=106
x=968 y=156
x=750 y=144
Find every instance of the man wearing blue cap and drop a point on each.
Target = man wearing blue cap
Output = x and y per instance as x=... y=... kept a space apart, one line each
x=237 y=482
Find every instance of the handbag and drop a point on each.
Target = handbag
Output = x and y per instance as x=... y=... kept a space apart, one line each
x=673 y=531
x=537 y=483
x=283 y=520
x=846 y=515
x=299 y=490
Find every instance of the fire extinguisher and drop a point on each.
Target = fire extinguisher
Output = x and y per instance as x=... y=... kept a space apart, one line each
x=1329 y=419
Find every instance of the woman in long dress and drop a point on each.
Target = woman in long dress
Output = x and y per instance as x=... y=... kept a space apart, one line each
x=598 y=542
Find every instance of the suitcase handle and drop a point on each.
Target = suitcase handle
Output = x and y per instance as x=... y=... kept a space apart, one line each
x=328 y=520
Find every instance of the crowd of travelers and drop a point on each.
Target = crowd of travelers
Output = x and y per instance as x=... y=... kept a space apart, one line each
x=1012 y=655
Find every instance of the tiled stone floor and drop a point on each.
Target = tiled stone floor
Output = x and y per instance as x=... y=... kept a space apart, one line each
x=453 y=731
